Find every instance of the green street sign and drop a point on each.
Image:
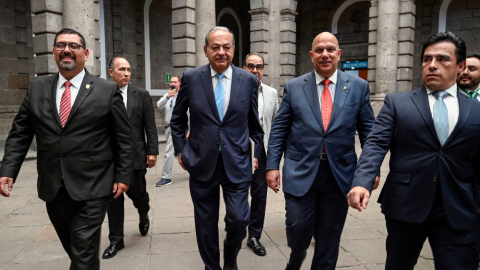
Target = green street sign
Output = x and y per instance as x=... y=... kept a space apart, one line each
x=169 y=77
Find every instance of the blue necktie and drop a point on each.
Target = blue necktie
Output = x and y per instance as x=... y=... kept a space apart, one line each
x=220 y=95
x=440 y=116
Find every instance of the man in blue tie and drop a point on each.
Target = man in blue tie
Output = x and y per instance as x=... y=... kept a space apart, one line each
x=469 y=79
x=432 y=189
x=223 y=115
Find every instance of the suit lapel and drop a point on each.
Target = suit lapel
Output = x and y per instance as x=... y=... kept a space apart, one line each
x=52 y=91
x=131 y=99
x=234 y=91
x=310 y=89
x=208 y=88
x=420 y=98
x=341 y=92
x=82 y=94
x=464 y=106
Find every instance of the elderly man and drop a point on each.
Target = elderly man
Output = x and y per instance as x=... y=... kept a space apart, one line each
x=315 y=128
x=267 y=109
x=223 y=109
x=469 y=79
x=85 y=148
x=139 y=107
x=432 y=188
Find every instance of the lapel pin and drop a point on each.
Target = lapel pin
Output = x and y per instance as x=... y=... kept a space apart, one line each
x=344 y=88
x=88 y=86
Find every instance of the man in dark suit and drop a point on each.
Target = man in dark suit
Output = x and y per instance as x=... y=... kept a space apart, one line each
x=81 y=127
x=469 y=79
x=315 y=128
x=432 y=134
x=142 y=119
x=223 y=115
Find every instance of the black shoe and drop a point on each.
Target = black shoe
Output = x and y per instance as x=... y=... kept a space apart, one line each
x=144 y=224
x=230 y=266
x=256 y=246
x=112 y=250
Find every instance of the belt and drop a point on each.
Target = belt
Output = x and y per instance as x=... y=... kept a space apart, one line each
x=324 y=156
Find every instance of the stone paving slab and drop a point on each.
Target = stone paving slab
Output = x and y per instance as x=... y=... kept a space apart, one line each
x=29 y=240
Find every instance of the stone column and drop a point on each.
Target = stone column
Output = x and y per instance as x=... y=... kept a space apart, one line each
x=406 y=36
x=205 y=20
x=259 y=38
x=288 y=29
x=80 y=15
x=48 y=20
x=372 y=46
x=183 y=35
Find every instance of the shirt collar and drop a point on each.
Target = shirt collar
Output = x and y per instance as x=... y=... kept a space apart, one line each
x=452 y=90
x=319 y=78
x=76 y=81
x=227 y=73
x=124 y=89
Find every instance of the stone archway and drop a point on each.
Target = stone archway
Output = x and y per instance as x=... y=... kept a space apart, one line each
x=442 y=16
x=339 y=12
x=239 y=42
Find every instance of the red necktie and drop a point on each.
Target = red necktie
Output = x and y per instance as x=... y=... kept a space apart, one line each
x=327 y=106
x=65 y=104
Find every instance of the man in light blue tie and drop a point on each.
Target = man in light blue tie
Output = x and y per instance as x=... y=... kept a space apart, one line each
x=432 y=189
x=223 y=114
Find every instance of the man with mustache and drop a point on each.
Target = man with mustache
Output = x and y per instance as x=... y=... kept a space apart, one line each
x=432 y=187
x=223 y=116
x=85 y=148
x=469 y=79
x=315 y=128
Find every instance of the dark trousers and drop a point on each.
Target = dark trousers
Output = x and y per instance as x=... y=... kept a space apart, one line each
x=320 y=213
x=116 y=209
x=452 y=249
x=206 y=202
x=258 y=204
x=78 y=225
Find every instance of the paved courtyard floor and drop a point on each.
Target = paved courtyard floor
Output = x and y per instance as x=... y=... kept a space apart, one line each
x=28 y=240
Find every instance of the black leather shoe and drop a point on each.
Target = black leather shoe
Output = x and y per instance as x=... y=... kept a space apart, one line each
x=144 y=224
x=256 y=246
x=230 y=266
x=112 y=250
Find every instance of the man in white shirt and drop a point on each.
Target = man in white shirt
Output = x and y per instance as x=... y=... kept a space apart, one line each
x=432 y=189
x=469 y=79
x=267 y=109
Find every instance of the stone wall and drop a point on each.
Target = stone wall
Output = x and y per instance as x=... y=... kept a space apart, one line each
x=161 y=42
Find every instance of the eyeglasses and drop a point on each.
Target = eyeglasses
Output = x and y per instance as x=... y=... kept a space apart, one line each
x=252 y=67
x=60 y=46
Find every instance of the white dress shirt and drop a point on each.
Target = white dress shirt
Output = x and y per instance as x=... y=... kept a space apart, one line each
x=332 y=86
x=74 y=88
x=260 y=105
x=168 y=104
x=124 y=94
x=227 y=85
x=451 y=101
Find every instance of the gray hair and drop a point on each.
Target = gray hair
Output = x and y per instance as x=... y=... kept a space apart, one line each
x=253 y=53
x=217 y=28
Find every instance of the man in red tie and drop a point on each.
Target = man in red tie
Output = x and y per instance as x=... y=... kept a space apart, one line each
x=81 y=127
x=315 y=129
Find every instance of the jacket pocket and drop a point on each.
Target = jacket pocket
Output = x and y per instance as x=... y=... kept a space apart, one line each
x=193 y=143
x=350 y=157
x=102 y=156
x=399 y=177
x=245 y=146
x=291 y=154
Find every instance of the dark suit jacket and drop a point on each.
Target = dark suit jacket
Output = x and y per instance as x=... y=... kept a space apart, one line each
x=299 y=132
x=200 y=151
x=97 y=132
x=419 y=164
x=142 y=119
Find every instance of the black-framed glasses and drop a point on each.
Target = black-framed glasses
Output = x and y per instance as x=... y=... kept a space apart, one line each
x=252 y=67
x=60 y=46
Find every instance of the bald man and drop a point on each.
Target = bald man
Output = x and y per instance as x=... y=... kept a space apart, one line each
x=320 y=156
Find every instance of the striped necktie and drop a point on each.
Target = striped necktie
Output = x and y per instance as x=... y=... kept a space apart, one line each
x=65 y=104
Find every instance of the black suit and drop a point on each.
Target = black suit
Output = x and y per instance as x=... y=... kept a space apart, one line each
x=142 y=120
x=76 y=168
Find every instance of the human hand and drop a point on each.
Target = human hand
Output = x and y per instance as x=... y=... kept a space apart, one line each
x=377 y=182
x=3 y=182
x=119 y=188
x=151 y=160
x=180 y=161
x=255 y=164
x=358 y=198
x=273 y=180
x=171 y=93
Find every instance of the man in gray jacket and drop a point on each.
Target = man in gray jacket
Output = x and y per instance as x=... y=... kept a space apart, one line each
x=267 y=109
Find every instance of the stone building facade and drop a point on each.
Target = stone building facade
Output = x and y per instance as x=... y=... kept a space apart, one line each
x=381 y=39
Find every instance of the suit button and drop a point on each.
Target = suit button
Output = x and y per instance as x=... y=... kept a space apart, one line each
x=441 y=153
x=63 y=137
x=318 y=157
x=434 y=179
x=325 y=137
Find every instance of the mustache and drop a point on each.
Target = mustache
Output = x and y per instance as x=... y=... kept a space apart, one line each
x=465 y=76
x=221 y=58
x=69 y=55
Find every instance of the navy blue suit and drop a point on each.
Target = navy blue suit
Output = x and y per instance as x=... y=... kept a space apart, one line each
x=431 y=189
x=208 y=167
x=315 y=190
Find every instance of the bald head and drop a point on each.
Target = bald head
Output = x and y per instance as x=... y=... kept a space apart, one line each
x=325 y=54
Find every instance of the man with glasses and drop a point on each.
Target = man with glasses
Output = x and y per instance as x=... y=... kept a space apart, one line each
x=267 y=109
x=85 y=148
